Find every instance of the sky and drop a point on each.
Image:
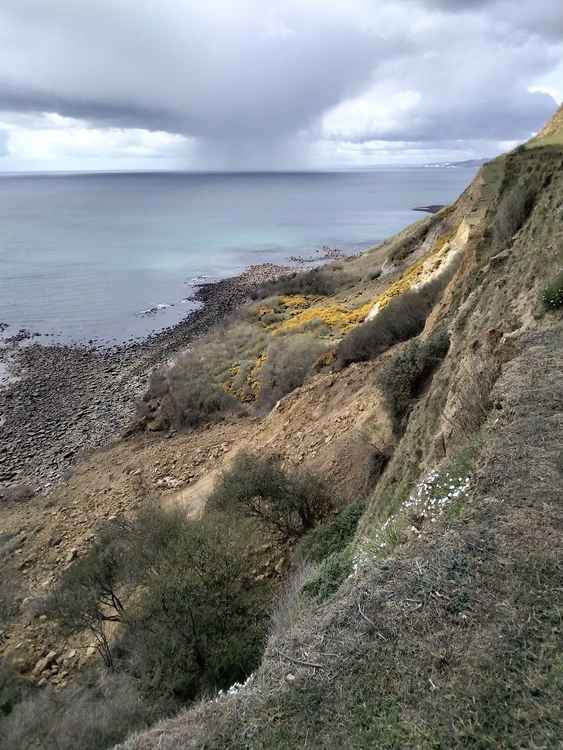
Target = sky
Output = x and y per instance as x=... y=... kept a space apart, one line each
x=272 y=84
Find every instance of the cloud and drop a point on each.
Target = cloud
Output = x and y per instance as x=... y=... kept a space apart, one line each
x=246 y=81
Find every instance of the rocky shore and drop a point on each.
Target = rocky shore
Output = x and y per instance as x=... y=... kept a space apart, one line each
x=64 y=401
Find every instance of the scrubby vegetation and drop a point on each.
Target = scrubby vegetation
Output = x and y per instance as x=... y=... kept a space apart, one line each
x=552 y=295
x=91 y=716
x=318 y=282
x=403 y=377
x=514 y=208
x=289 y=361
x=333 y=535
x=403 y=318
x=190 y=620
x=289 y=505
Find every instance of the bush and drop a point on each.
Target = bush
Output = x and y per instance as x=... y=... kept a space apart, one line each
x=552 y=295
x=321 y=282
x=190 y=619
x=289 y=361
x=331 y=573
x=332 y=536
x=513 y=210
x=403 y=318
x=259 y=488
x=194 y=389
x=12 y=688
x=402 y=378
x=90 y=717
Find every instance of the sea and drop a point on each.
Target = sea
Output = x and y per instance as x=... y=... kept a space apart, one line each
x=111 y=257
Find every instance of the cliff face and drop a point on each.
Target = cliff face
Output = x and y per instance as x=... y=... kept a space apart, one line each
x=446 y=632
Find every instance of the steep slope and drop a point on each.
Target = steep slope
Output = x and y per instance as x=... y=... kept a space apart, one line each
x=447 y=632
x=552 y=133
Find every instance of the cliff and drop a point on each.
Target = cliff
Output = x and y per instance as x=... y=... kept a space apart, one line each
x=446 y=631
x=434 y=397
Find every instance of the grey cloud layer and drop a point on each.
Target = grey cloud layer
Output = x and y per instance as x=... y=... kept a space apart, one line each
x=235 y=71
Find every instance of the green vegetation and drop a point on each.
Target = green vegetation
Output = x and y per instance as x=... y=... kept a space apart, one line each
x=403 y=377
x=401 y=319
x=552 y=295
x=318 y=282
x=191 y=620
x=287 y=505
x=330 y=574
x=333 y=535
x=329 y=544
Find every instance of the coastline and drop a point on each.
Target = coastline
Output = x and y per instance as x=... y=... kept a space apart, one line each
x=63 y=401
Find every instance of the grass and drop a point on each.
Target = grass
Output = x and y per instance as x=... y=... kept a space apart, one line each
x=552 y=295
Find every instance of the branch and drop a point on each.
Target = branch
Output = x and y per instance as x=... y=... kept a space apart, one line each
x=370 y=622
x=300 y=661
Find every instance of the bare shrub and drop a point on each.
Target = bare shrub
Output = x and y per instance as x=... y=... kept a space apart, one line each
x=190 y=620
x=513 y=210
x=259 y=488
x=90 y=717
x=289 y=361
x=320 y=282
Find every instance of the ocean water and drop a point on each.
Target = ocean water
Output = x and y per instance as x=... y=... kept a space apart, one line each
x=82 y=256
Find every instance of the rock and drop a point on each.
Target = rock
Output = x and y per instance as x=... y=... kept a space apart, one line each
x=44 y=663
x=499 y=258
x=91 y=651
x=72 y=555
x=290 y=677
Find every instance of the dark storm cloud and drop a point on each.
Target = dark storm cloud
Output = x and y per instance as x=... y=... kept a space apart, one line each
x=243 y=72
x=173 y=66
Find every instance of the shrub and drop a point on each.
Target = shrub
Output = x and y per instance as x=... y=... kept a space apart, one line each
x=552 y=295
x=259 y=488
x=513 y=210
x=87 y=596
x=289 y=361
x=402 y=377
x=331 y=573
x=321 y=282
x=12 y=688
x=194 y=389
x=89 y=717
x=190 y=619
x=333 y=535
x=199 y=624
x=403 y=318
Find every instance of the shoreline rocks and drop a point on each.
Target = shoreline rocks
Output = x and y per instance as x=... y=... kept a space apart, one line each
x=66 y=400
